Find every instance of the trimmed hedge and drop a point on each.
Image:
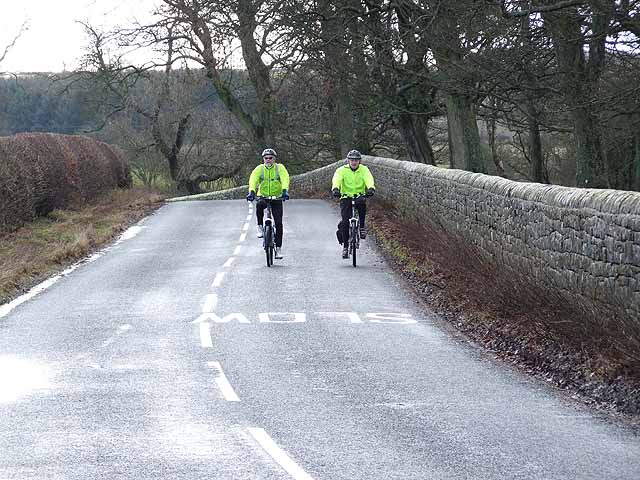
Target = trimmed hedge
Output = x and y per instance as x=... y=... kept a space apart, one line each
x=40 y=172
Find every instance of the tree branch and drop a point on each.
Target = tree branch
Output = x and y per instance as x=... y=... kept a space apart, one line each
x=502 y=4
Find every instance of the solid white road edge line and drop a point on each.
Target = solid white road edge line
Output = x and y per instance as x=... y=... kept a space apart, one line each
x=41 y=287
x=218 y=280
x=223 y=383
x=279 y=455
x=205 y=335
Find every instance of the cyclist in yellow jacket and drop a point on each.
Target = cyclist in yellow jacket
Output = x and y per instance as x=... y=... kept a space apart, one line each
x=270 y=179
x=349 y=180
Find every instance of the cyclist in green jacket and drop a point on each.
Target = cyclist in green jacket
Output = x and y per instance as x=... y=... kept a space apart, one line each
x=270 y=179
x=349 y=180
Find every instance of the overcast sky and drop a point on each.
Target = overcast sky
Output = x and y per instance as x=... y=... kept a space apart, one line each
x=53 y=40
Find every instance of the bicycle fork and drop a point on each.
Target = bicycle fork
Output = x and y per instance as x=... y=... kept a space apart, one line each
x=354 y=229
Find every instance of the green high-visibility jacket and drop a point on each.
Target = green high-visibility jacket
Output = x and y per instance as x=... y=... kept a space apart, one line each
x=269 y=181
x=352 y=182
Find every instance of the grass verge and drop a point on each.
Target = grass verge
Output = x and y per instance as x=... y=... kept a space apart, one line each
x=49 y=244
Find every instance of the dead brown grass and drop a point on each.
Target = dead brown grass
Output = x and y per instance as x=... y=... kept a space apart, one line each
x=48 y=244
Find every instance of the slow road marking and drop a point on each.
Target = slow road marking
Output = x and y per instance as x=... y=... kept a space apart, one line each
x=302 y=317
x=205 y=335
x=210 y=303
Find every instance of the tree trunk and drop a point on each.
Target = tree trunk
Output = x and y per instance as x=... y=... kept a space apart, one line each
x=491 y=134
x=414 y=134
x=579 y=79
x=636 y=161
x=464 y=138
x=338 y=90
x=259 y=74
x=398 y=83
x=360 y=93
x=590 y=165
x=537 y=172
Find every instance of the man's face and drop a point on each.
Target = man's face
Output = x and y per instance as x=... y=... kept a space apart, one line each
x=268 y=160
x=353 y=163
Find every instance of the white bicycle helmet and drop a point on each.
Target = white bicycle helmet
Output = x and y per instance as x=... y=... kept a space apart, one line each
x=269 y=151
x=354 y=155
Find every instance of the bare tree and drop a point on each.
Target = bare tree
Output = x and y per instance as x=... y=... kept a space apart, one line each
x=580 y=31
x=4 y=52
x=164 y=99
x=207 y=28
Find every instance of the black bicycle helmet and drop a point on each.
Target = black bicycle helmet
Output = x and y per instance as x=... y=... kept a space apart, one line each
x=269 y=151
x=354 y=155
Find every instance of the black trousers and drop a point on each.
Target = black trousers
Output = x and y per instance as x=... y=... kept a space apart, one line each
x=345 y=211
x=276 y=210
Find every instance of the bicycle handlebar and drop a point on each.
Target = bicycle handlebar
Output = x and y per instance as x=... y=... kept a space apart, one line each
x=272 y=197
x=355 y=197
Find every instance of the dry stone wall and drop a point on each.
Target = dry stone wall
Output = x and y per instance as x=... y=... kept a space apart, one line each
x=577 y=241
x=584 y=243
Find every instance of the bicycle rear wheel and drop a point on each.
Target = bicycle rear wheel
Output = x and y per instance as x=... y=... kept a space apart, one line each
x=268 y=244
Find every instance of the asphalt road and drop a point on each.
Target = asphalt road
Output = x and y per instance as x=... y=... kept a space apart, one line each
x=178 y=354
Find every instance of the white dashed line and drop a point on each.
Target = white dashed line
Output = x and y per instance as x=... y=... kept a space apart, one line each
x=223 y=383
x=218 y=280
x=210 y=303
x=249 y=217
x=243 y=237
x=279 y=455
x=237 y=250
x=205 y=335
x=228 y=263
x=245 y=227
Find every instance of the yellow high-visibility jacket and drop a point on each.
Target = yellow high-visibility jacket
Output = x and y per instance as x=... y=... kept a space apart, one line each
x=269 y=181
x=352 y=182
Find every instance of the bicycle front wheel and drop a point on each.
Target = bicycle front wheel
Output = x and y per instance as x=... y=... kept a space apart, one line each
x=354 y=244
x=268 y=245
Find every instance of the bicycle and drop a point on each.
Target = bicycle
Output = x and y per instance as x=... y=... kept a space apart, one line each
x=269 y=226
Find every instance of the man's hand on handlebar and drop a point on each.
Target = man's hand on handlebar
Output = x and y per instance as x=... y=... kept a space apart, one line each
x=285 y=195
x=370 y=192
x=251 y=196
x=336 y=192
